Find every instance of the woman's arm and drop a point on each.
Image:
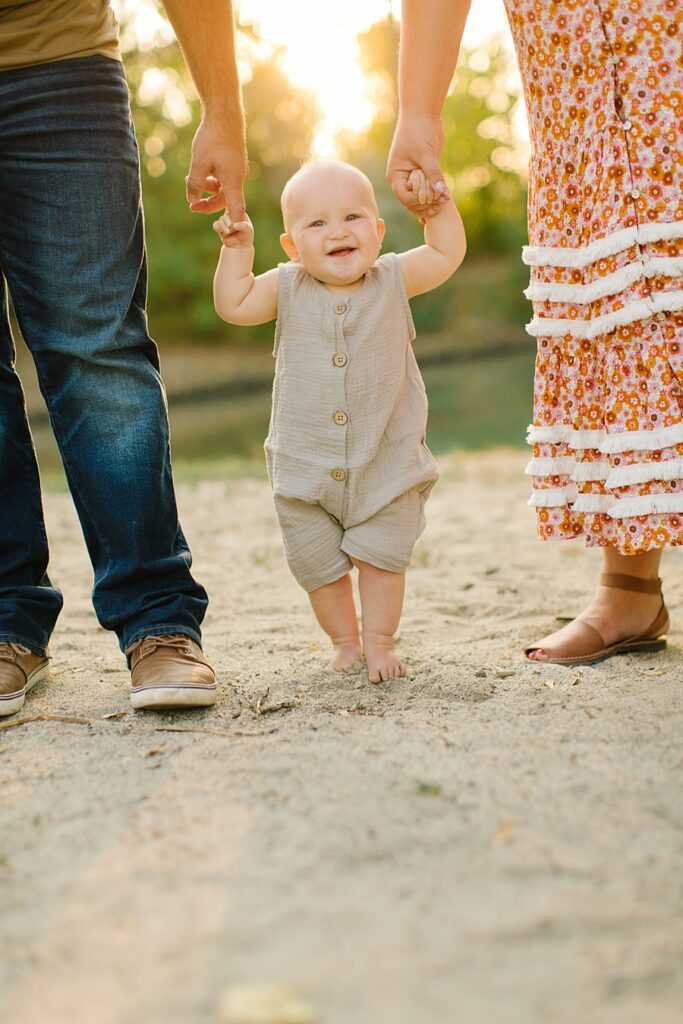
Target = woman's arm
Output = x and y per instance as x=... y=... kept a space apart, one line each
x=430 y=43
x=206 y=35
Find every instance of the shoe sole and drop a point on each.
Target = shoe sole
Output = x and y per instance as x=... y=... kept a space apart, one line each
x=189 y=696
x=14 y=702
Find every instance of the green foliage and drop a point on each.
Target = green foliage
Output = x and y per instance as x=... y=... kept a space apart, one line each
x=182 y=247
x=479 y=161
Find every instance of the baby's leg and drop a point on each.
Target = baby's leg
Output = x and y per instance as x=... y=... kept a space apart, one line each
x=381 y=547
x=312 y=540
x=381 y=597
x=335 y=610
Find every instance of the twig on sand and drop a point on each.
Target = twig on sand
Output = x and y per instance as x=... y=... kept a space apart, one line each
x=215 y=732
x=181 y=728
x=282 y=705
x=72 y=720
x=259 y=702
x=47 y=718
x=262 y=708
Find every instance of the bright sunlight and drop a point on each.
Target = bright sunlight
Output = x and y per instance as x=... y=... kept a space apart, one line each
x=320 y=51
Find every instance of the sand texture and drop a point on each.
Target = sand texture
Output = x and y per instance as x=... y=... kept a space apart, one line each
x=483 y=842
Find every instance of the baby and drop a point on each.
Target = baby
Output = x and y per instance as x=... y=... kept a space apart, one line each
x=346 y=450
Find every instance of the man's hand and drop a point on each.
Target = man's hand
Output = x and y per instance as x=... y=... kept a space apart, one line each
x=417 y=146
x=234 y=235
x=219 y=166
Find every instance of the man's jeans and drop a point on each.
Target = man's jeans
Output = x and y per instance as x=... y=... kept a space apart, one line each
x=72 y=254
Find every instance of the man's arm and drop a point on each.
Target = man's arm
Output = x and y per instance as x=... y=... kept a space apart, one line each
x=430 y=43
x=205 y=32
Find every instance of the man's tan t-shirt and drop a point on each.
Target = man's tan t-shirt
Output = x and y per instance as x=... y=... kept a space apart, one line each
x=40 y=31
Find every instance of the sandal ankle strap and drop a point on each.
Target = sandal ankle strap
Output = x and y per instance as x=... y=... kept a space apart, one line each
x=622 y=582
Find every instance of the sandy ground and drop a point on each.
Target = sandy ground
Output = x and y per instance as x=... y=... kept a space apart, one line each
x=484 y=842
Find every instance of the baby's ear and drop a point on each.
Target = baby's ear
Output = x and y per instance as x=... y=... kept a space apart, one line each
x=381 y=228
x=287 y=243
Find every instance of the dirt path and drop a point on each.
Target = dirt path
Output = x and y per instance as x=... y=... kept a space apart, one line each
x=484 y=842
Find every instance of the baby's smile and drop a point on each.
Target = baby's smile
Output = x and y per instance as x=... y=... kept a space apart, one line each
x=341 y=251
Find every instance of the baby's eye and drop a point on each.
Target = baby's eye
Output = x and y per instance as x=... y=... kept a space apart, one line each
x=353 y=216
x=316 y=224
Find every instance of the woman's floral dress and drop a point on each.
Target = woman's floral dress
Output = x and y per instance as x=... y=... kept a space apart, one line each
x=603 y=82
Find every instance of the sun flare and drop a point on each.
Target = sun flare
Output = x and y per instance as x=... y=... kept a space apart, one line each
x=320 y=49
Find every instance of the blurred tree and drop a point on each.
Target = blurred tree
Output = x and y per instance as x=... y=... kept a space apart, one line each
x=182 y=247
x=481 y=156
x=484 y=169
x=480 y=160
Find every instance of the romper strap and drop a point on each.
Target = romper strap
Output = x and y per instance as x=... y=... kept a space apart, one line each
x=623 y=582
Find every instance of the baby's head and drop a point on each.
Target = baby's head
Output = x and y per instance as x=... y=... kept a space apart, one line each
x=332 y=224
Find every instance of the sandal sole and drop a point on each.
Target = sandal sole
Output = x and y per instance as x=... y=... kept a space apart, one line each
x=637 y=647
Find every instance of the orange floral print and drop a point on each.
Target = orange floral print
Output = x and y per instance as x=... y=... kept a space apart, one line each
x=603 y=82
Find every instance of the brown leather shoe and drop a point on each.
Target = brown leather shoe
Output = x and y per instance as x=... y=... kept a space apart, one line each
x=20 y=669
x=170 y=672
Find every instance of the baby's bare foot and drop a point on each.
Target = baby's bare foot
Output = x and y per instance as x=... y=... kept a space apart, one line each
x=383 y=662
x=347 y=656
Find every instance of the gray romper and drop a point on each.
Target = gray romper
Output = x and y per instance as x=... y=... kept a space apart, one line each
x=346 y=451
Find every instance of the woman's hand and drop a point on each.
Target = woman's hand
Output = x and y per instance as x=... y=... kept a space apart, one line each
x=416 y=147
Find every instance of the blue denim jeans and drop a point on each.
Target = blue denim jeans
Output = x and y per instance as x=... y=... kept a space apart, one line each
x=72 y=254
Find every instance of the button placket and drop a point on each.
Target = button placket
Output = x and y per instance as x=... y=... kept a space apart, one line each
x=338 y=414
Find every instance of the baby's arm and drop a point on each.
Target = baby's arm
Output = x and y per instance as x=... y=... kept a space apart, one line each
x=431 y=264
x=239 y=297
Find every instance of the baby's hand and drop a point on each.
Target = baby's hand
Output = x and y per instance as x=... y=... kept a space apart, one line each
x=239 y=235
x=425 y=194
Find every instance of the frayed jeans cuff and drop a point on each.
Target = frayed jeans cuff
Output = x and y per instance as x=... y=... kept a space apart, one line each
x=12 y=638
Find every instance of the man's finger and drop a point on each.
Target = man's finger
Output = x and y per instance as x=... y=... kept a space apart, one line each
x=234 y=203
x=210 y=204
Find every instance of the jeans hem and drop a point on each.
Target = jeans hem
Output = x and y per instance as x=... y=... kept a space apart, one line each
x=12 y=638
x=160 y=629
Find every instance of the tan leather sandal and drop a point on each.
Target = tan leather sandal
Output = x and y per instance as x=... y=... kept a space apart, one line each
x=589 y=647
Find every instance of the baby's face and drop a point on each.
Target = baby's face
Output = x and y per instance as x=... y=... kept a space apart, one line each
x=332 y=226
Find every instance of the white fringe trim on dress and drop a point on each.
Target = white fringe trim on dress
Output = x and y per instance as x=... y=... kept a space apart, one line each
x=563 y=433
x=611 y=284
x=585 y=472
x=563 y=465
x=642 y=473
x=647 y=504
x=608 y=444
x=642 y=440
x=660 y=302
x=559 y=256
x=553 y=497
x=607 y=504
x=594 y=503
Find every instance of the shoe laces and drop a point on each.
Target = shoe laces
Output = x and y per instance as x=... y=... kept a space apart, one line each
x=177 y=641
x=10 y=651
